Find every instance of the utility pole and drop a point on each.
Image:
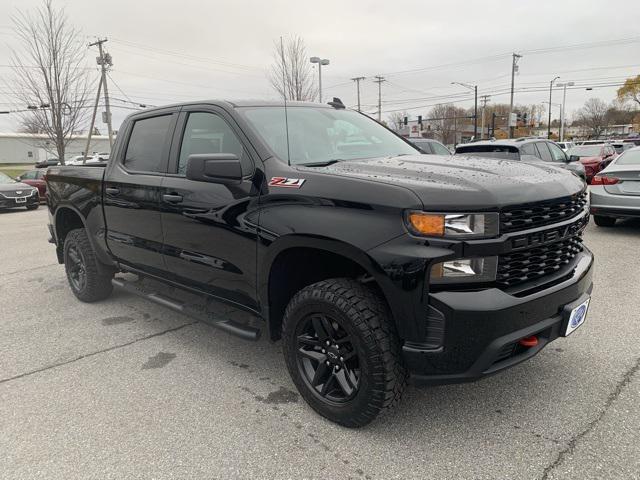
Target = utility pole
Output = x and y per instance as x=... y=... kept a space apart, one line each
x=379 y=79
x=357 y=80
x=493 y=124
x=93 y=121
x=514 y=68
x=485 y=100
x=104 y=60
x=550 y=92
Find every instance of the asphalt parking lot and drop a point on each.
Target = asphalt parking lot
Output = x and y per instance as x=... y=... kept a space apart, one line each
x=127 y=389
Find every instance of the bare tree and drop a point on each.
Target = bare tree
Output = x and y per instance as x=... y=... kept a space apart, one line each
x=446 y=119
x=291 y=74
x=29 y=124
x=593 y=115
x=396 y=120
x=50 y=74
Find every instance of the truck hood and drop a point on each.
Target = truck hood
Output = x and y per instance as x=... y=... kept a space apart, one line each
x=458 y=181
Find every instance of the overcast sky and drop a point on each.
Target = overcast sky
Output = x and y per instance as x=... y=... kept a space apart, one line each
x=165 y=52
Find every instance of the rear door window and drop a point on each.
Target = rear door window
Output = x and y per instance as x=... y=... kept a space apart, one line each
x=529 y=149
x=146 y=150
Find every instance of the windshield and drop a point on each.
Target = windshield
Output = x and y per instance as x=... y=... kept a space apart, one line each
x=586 y=151
x=319 y=135
x=5 y=179
x=489 y=151
x=630 y=157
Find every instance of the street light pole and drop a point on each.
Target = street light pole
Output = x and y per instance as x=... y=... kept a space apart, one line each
x=550 y=92
x=485 y=99
x=475 y=105
x=562 y=115
x=320 y=62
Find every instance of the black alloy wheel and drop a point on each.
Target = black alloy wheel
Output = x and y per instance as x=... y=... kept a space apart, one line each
x=76 y=268
x=342 y=350
x=88 y=280
x=327 y=358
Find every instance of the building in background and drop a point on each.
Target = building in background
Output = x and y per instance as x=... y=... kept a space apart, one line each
x=31 y=148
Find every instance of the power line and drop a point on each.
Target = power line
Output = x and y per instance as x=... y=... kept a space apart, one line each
x=183 y=55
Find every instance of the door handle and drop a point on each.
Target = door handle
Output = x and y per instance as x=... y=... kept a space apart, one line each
x=112 y=191
x=172 y=198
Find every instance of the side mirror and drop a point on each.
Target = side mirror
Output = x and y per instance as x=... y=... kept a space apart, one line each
x=222 y=168
x=574 y=158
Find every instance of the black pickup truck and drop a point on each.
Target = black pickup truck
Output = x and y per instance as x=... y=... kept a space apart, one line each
x=319 y=226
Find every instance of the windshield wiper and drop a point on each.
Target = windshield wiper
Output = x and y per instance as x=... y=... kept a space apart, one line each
x=322 y=164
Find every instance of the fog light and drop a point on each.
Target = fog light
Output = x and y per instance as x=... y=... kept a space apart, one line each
x=465 y=270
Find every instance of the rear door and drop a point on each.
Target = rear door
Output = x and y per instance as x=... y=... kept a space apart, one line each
x=210 y=229
x=131 y=193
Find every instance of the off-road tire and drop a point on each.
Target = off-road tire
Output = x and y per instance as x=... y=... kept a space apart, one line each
x=364 y=315
x=604 y=221
x=96 y=286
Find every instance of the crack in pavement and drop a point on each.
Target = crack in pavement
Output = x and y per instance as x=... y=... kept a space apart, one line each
x=569 y=449
x=109 y=349
x=31 y=269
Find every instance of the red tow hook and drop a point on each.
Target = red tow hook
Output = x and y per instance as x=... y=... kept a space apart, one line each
x=529 y=342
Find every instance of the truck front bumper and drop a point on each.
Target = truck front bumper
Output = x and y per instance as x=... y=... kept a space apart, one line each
x=483 y=329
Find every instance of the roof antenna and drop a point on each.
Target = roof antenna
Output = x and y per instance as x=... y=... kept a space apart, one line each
x=337 y=103
x=284 y=94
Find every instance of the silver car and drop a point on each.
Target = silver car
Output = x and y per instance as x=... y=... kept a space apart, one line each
x=615 y=191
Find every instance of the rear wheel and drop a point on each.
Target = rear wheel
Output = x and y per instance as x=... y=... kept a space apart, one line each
x=342 y=351
x=81 y=266
x=604 y=221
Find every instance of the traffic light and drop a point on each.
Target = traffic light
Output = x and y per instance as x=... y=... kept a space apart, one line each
x=525 y=119
x=406 y=120
x=419 y=119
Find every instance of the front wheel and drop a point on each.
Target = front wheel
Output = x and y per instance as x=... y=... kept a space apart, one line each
x=81 y=266
x=342 y=351
x=604 y=221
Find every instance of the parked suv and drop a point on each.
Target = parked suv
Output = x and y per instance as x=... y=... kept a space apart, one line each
x=430 y=146
x=594 y=157
x=525 y=149
x=35 y=178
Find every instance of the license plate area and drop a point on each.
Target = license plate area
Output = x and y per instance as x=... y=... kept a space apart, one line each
x=21 y=200
x=575 y=315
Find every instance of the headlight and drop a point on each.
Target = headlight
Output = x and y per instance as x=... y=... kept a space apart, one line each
x=34 y=191
x=454 y=225
x=465 y=270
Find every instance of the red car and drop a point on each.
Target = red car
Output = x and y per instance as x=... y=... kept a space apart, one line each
x=594 y=158
x=35 y=178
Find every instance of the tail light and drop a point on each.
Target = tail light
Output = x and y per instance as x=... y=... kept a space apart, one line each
x=604 y=180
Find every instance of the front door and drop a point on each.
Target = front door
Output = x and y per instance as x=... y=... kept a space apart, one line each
x=210 y=237
x=132 y=191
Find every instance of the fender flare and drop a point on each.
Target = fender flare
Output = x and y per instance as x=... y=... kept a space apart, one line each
x=105 y=261
x=353 y=253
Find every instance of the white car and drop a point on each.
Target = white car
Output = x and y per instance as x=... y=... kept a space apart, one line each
x=565 y=145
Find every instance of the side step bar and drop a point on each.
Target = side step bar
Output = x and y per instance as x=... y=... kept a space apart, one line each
x=229 y=326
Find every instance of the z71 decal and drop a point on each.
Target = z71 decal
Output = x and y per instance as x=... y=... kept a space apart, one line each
x=286 y=182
